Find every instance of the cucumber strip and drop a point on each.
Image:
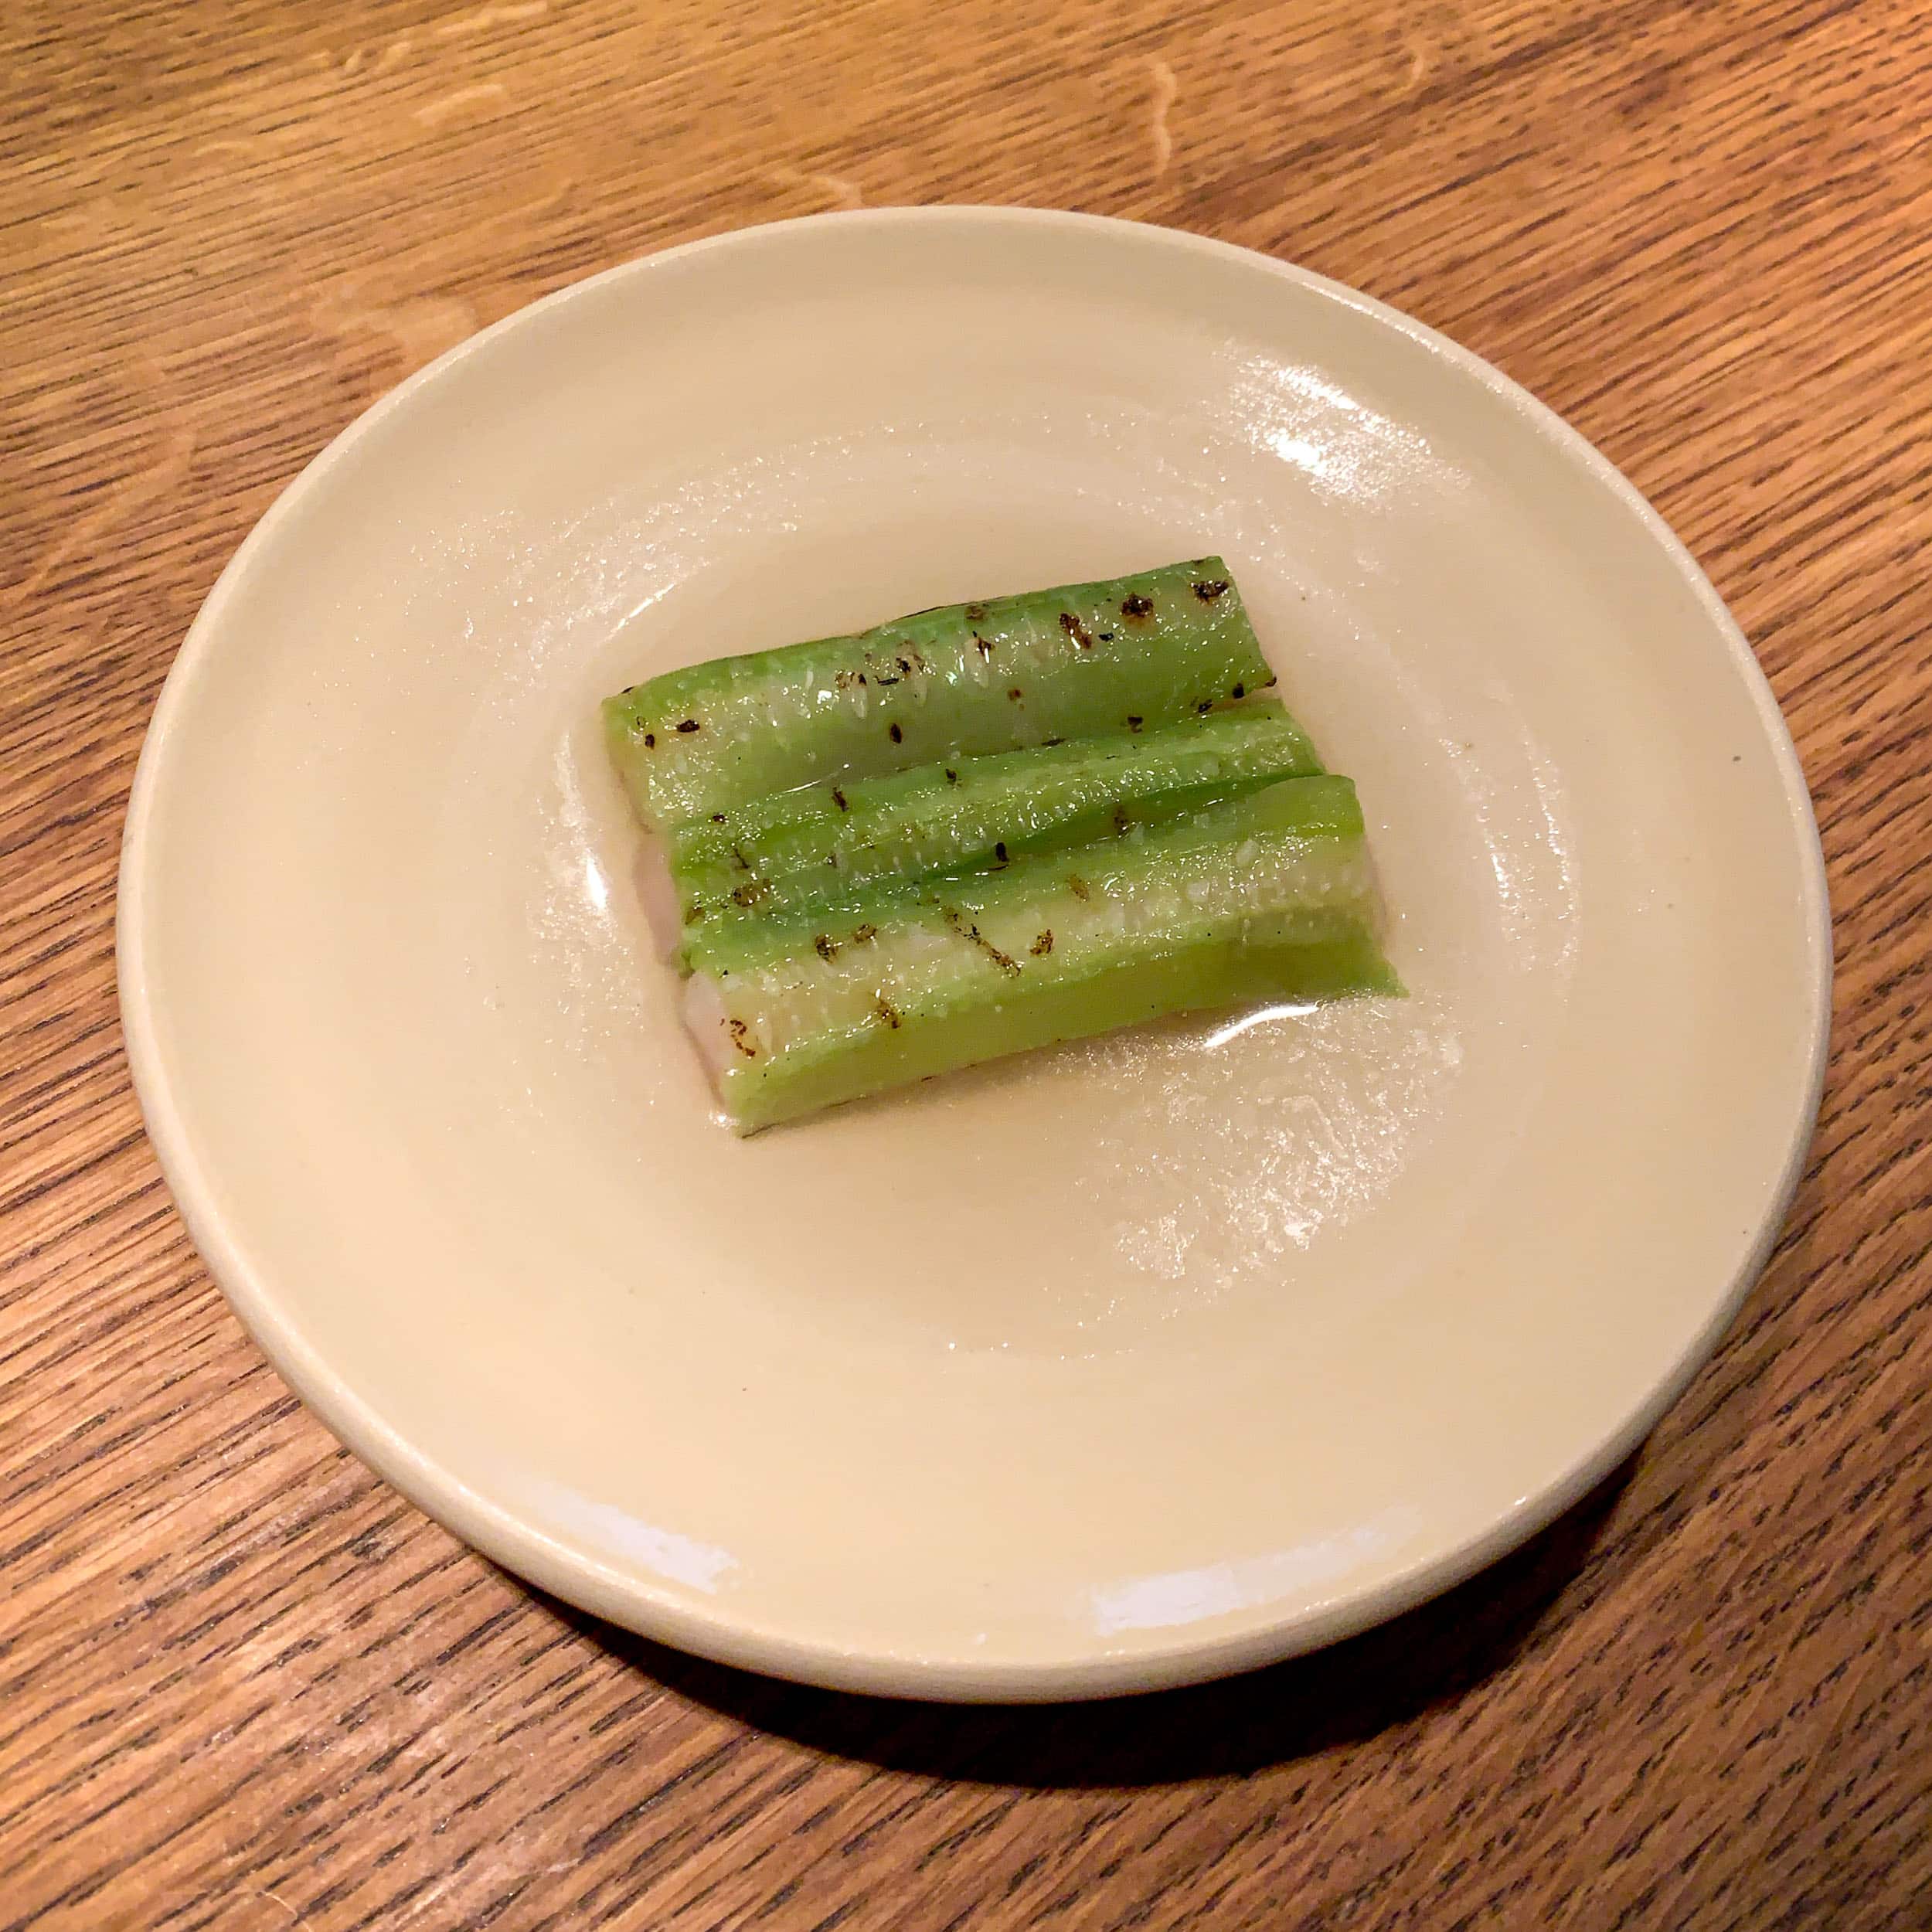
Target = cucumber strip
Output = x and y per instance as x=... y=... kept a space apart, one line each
x=822 y=841
x=1074 y=662
x=1268 y=895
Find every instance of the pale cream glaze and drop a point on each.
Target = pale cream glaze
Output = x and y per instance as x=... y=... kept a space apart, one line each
x=1124 y=1364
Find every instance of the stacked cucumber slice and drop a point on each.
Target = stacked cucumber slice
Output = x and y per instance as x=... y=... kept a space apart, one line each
x=985 y=828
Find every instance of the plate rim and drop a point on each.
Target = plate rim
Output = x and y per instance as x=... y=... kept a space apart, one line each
x=628 y=1601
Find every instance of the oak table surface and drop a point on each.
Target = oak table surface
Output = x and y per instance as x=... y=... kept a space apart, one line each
x=242 y=1685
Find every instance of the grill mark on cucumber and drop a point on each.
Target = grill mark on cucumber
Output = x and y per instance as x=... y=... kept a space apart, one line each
x=973 y=935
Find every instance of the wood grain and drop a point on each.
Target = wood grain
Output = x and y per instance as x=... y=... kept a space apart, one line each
x=243 y=1686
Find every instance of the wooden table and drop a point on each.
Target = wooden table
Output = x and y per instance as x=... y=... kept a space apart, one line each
x=242 y=1685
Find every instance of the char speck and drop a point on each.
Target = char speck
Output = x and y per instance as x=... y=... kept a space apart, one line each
x=825 y=946
x=1121 y=820
x=1014 y=694
x=1240 y=691
x=886 y=1010
x=1044 y=944
x=1272 y=680
x=1137 y=606
x=1134 y=724
x=1076 y=629
x=861 y=934
x=1204 y=707
x=999 y=851
x=906 y=669
x=952 y=777
x=1210 y=588
x=985 y=649
x=650 y=739
x=973 y=935
x=1107 y=636
x=717 y=819
x=839 y=799
x=896 y=736
x=688 y=724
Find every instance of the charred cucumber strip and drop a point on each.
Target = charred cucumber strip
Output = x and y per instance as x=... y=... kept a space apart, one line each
x=1267 y=896
x=823 y=841
x=1124 y=654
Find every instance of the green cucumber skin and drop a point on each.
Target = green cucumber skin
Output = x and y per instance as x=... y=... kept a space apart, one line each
x=1231 y=972
x=1267 y=896
x=822 y=842
x=1306 y=810
x=1076 y=662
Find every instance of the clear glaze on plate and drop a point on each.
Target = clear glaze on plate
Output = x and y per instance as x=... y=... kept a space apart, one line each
x=1119 y=1365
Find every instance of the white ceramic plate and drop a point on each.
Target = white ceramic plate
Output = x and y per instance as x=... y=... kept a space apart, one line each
x=1117 y=1367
